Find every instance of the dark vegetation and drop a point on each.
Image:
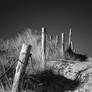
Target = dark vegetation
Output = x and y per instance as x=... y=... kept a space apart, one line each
x=45 y=81
x=75 y=56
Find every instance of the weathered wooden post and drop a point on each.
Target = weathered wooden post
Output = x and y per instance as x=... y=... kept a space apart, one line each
x=72 y=48
x=70 y=41
x=57 y=37
x=62 y=46
x=43 y=39
x=50 y=37
x=70 y=34
x=22 y=63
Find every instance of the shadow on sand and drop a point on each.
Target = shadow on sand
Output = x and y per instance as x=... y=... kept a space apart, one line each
x=47 y=81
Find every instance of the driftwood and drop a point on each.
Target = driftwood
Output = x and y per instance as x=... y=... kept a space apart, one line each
x=22 y=63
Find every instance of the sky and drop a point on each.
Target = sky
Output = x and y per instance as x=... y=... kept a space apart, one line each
x=56 y=16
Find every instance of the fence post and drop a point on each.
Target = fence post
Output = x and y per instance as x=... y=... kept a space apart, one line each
x=43 y=43
x=20 y=68
x=70 y=34
x=50 y=37
x=57 y=38
x=62 y=46
x=70 y=42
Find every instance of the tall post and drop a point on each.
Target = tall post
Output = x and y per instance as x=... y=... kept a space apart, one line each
x=62 y=46
x=43 y=63
x=20 y=68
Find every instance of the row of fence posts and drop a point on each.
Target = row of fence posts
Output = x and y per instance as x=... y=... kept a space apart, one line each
x=25 y=53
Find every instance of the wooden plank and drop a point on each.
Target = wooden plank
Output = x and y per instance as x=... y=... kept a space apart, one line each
x=22 y=63
x=43 y=48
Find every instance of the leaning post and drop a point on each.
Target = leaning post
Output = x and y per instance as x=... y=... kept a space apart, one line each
x=70 y=41
x=20 y=68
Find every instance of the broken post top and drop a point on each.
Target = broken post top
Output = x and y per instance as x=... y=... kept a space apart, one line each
x=26 y=49
x=43 y=30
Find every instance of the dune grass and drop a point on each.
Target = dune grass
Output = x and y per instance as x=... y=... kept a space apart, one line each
x=9 y=53
x=10 y=48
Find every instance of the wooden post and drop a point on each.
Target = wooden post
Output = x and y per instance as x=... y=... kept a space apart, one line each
x=22 y=63
x=57 y=39
x=62 y=46
x=43 y=48
x=70 y=34
x=50 y=37
x=70 y=42
x=71 y=45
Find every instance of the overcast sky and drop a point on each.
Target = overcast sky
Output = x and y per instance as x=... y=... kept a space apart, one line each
x=58 y=17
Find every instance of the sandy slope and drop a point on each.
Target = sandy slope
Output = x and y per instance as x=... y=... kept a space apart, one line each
x=75 y=69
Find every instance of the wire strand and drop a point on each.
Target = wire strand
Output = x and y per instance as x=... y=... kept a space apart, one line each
x=8 y=69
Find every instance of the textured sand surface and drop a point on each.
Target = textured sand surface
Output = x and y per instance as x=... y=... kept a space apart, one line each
x=75 y=69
